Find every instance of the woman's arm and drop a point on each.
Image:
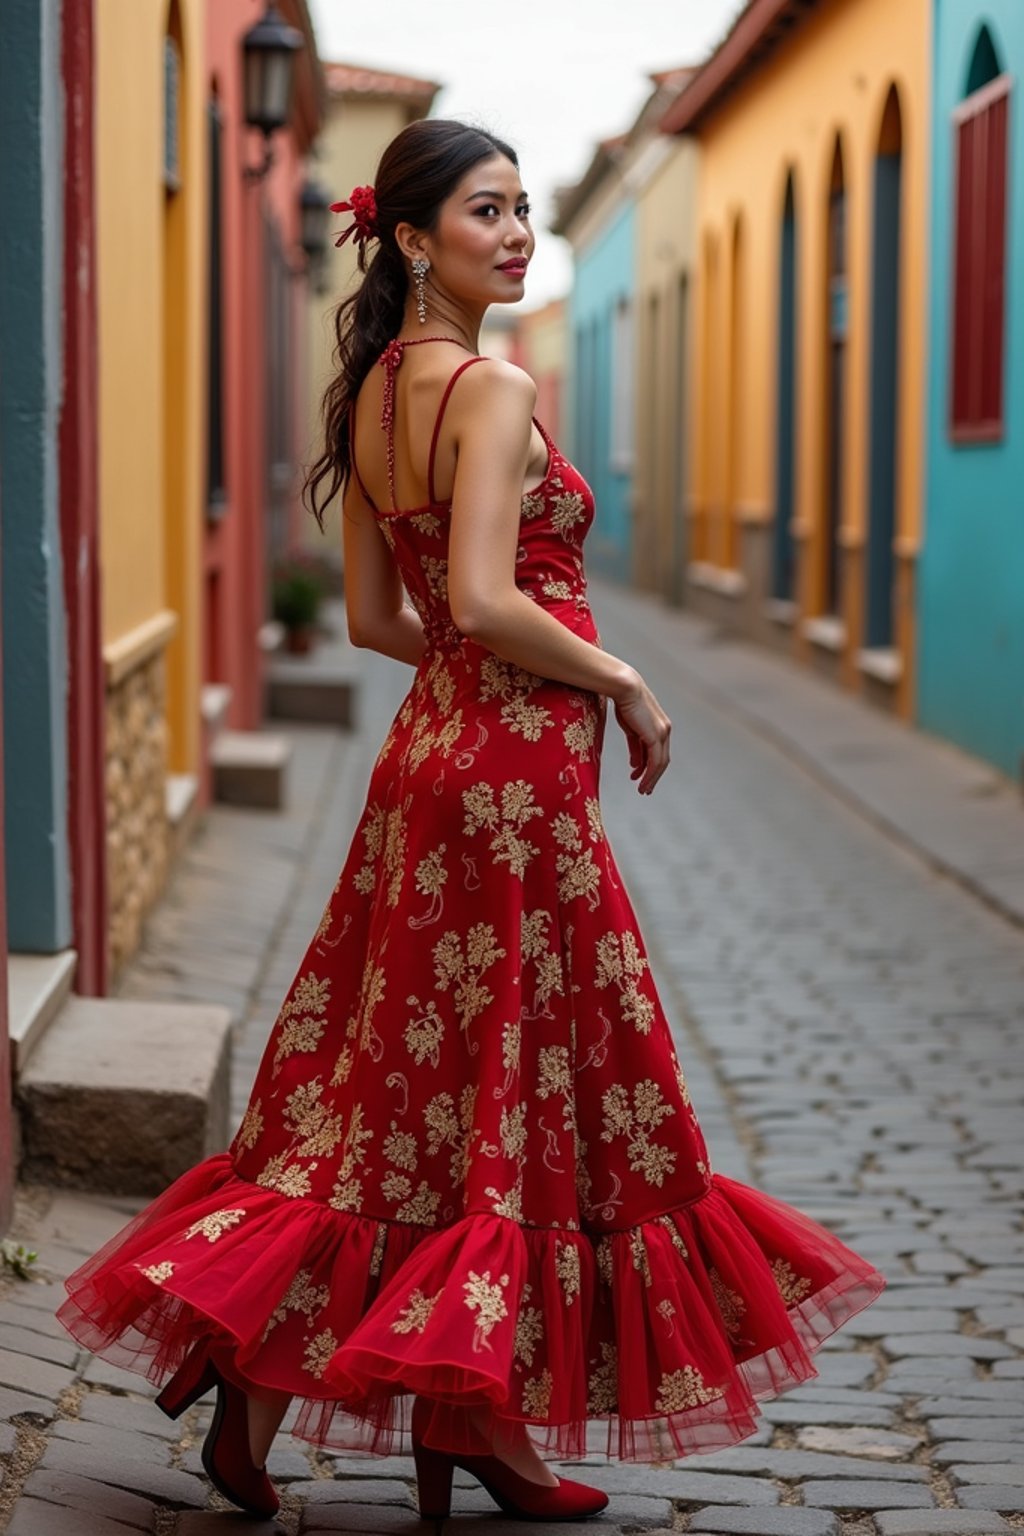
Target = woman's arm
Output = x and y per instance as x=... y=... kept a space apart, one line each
x=378 y=616
x=493 y=424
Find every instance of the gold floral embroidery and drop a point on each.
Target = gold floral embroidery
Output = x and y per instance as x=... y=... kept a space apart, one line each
x=213 y=1225
x=603 y=1257
x=537 y=1394
x=465 y=968
x=446 y=1128
x=379 y=1244
x=675 y=1234
x=423 y=1035
x=373 y=837
x=666 y=1310
x=512 y=1131
x=427 y=522
x=421 y=1210
x=346 y=1195
x=509 y=1203
x=529 y=1328
x=580 y=735
x=318 y=1351
x=639 y=1255
x=620 y=964
x=394 y=1185
x=415 y=1315
x=286 y=1178
x=251 y=1128
x=394 y=851
x=532 y=504
x=730 y=1303
x=485 y=1299
x=592 y=807
x=553 y=1071
x=309 y=997
x=399 y=1147
x=431 y=877
x=579 y=875
x=301 y=1296
x=684 y=1389
x=680 y=1079
x=791 y=1287
x=556 y=589
x=637 y=1122
x=526 y=719
x=435 y=569
x=567 y=1268
x=534 y=945
x=567 y=510
x=317 y=1130
x=517 y=808
x=603 y=1385
x=158 y=1273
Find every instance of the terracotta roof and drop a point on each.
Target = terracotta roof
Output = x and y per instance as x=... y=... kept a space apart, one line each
x=757 y=31
x=673 y=79
x=361 y=80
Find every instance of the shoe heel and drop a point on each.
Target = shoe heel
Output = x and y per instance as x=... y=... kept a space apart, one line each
x=433 y=1482
x=193 y=1377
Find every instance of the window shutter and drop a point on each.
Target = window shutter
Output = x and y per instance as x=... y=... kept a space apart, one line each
x=979 y=307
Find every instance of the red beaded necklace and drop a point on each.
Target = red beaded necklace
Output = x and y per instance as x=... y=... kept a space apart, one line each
x=389 y=361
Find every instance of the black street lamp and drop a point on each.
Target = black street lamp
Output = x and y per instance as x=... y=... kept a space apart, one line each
x=268 y=51
x=314 y=204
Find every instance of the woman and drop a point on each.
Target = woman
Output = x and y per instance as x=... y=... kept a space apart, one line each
x=470 y=1173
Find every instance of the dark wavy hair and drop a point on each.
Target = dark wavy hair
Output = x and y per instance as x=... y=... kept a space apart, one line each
x=418 y=171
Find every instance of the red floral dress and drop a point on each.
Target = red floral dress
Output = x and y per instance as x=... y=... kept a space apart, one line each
x=470 y=1166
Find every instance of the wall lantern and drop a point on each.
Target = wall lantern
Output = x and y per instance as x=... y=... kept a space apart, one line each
x=314 y=206
x=268 y=49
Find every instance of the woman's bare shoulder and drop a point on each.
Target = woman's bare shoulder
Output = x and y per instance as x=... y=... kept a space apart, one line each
x=498 y=386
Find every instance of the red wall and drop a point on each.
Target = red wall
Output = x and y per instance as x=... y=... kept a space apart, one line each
x=235 y=563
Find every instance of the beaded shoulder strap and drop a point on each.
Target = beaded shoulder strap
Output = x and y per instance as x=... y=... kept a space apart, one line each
x=389 y=360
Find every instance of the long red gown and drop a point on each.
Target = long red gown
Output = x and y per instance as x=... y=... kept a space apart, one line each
x=470 y=1166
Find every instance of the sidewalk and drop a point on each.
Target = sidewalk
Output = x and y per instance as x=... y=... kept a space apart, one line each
x=954 y=810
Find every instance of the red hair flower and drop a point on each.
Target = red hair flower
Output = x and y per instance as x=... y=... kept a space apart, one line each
x=363 y=203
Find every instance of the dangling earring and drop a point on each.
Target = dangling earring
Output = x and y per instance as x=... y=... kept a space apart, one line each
x=420 y=268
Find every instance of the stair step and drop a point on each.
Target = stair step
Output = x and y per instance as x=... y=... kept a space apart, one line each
x=121 y=1096
x=250 y=768
x=37 y=986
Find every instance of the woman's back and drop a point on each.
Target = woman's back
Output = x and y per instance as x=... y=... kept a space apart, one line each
x=403 y=453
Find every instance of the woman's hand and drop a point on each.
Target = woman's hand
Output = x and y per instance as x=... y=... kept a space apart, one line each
x=647 y=729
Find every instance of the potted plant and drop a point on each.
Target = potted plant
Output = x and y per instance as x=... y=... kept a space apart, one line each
x=298 y=591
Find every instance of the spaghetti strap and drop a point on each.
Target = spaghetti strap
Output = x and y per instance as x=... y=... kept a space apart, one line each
x=352 y=453
x=437 y=423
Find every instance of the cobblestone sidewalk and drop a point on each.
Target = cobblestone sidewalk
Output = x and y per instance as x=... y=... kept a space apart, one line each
x=850 y=1023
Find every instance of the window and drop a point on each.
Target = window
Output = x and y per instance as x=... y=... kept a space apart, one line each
x=623 y=366
x=980 y=192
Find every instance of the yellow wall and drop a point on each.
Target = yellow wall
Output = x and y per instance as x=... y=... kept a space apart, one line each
x=151 y=286
x=665 y=238
x=832 y=73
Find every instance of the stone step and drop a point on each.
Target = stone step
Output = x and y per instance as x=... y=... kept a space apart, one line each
x=122 y=1096
x=250 y=768
x=37 y=988
x=314 y=689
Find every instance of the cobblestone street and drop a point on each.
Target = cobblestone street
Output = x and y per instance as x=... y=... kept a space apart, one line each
x=849 y=1014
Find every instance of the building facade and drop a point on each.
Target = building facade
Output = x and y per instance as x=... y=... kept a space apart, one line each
x=971 y=597
x=810 y=313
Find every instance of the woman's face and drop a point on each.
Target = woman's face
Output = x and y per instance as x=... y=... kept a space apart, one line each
x=483 y=226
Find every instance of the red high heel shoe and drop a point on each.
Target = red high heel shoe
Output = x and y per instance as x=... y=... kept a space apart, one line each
x=518 y=1496
x=226 y=1453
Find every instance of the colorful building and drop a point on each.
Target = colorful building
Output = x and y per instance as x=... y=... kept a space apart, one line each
x=971 y=591
x=808 y=373
x=365 y=109
x=665 y=261
x=598 y=217
x=542 y=352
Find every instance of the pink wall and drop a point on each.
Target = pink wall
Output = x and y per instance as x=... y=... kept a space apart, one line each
x=236 y=573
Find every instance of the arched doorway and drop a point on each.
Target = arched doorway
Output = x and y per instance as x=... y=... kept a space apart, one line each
x=883 y=399
x=783 y=562
x=836 y=299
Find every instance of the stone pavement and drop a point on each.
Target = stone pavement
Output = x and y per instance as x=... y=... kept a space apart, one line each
x=849 y=1018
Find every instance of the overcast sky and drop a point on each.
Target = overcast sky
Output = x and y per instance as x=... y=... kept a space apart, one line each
x=550 y=76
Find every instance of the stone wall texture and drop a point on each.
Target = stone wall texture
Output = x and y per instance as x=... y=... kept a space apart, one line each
x=138 y=836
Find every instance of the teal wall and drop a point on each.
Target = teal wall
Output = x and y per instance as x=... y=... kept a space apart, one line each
x=971 y=579
x=604 y=274
x=34 y=641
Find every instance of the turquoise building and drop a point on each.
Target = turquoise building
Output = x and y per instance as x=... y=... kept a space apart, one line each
x=598 y=217
x=971 y=584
